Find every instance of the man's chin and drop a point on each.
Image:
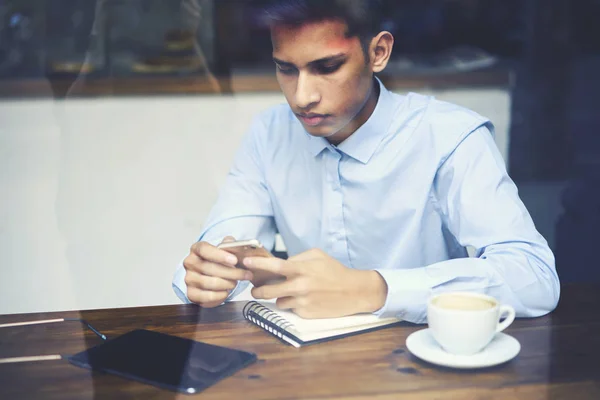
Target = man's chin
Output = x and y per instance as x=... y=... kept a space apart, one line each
x=319 y=131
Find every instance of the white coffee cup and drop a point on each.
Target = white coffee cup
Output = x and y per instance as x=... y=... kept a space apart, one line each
x=465 y=323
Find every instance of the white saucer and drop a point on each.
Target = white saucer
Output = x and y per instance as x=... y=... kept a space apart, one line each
x=503 y=348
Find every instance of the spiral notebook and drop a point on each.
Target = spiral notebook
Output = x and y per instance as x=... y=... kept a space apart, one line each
x=299 y=332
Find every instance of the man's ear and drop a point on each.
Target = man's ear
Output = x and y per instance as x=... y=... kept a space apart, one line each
x=380 y=50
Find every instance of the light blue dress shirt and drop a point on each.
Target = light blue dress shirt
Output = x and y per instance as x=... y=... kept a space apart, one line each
x=404 y=195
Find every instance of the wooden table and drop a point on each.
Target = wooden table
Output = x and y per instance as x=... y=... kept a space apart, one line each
x=560 y=358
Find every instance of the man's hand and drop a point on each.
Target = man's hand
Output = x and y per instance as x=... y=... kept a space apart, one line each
x=262 y=277
x=210 y=274
x=259 y=278
x=318 y=286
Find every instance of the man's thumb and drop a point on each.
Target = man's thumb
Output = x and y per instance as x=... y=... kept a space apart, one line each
x=228 y=239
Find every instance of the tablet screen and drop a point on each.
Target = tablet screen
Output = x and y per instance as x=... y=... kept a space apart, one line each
x=163 y=360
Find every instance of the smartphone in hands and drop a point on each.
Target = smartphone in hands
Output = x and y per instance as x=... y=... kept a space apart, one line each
x=251 y=248
x=245 y=248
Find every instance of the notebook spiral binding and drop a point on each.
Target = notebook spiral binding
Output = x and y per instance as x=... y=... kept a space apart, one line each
x=266 y=318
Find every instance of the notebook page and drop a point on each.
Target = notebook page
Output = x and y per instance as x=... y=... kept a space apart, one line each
x=302 y=325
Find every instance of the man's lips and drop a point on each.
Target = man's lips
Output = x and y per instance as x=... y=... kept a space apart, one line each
x=312 y=119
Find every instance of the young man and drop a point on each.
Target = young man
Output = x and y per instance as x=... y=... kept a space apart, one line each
x=376 y=195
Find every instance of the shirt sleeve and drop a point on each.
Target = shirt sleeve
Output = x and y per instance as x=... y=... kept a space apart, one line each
x=243 y=209
x=480 y=206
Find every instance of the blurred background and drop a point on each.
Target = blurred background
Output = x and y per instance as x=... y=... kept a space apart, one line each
x=119 y=120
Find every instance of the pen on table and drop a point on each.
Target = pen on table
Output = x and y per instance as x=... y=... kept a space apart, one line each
x=10 y=360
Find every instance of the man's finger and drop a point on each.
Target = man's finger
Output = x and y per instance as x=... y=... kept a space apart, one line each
x=307 y=255
x=212 y=283
x=286 y=303
x=206 y=298
x=208 y=252
x=270 y=264
x=228 y=239
x=194 y=263
x=288 y=288
x=224 y=272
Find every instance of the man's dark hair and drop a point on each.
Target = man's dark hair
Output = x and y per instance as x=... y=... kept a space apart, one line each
x=362 y=17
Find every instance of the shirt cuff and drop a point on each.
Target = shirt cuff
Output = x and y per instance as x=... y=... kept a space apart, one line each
x=178 y=284
x=408 y=292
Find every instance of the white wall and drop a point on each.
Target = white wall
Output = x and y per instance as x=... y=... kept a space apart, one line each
x=101 y=198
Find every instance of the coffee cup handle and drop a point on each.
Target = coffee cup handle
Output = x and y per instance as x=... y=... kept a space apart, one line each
x=510 y=317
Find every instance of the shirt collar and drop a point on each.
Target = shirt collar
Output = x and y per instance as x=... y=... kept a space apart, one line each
x=316 y=144
x=361 y=145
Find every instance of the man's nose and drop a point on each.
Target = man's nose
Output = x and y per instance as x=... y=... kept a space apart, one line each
x=307 y=94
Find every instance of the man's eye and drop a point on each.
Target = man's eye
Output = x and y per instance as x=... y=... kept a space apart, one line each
x=328 y=69
x=286 y=71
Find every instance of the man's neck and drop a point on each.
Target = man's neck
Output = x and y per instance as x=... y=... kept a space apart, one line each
x=363 y=116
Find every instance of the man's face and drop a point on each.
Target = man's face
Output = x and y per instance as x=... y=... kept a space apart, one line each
x=323 y=74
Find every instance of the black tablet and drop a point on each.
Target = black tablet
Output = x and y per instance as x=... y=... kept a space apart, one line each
x=165 y=361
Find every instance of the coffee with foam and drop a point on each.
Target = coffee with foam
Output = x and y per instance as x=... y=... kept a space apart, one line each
x=462 y=302
x=464 y=323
